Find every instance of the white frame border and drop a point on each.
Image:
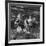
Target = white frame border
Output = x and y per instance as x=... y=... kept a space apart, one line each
x=41 y=26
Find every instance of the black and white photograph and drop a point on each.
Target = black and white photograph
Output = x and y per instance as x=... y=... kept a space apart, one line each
x=25 y=22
